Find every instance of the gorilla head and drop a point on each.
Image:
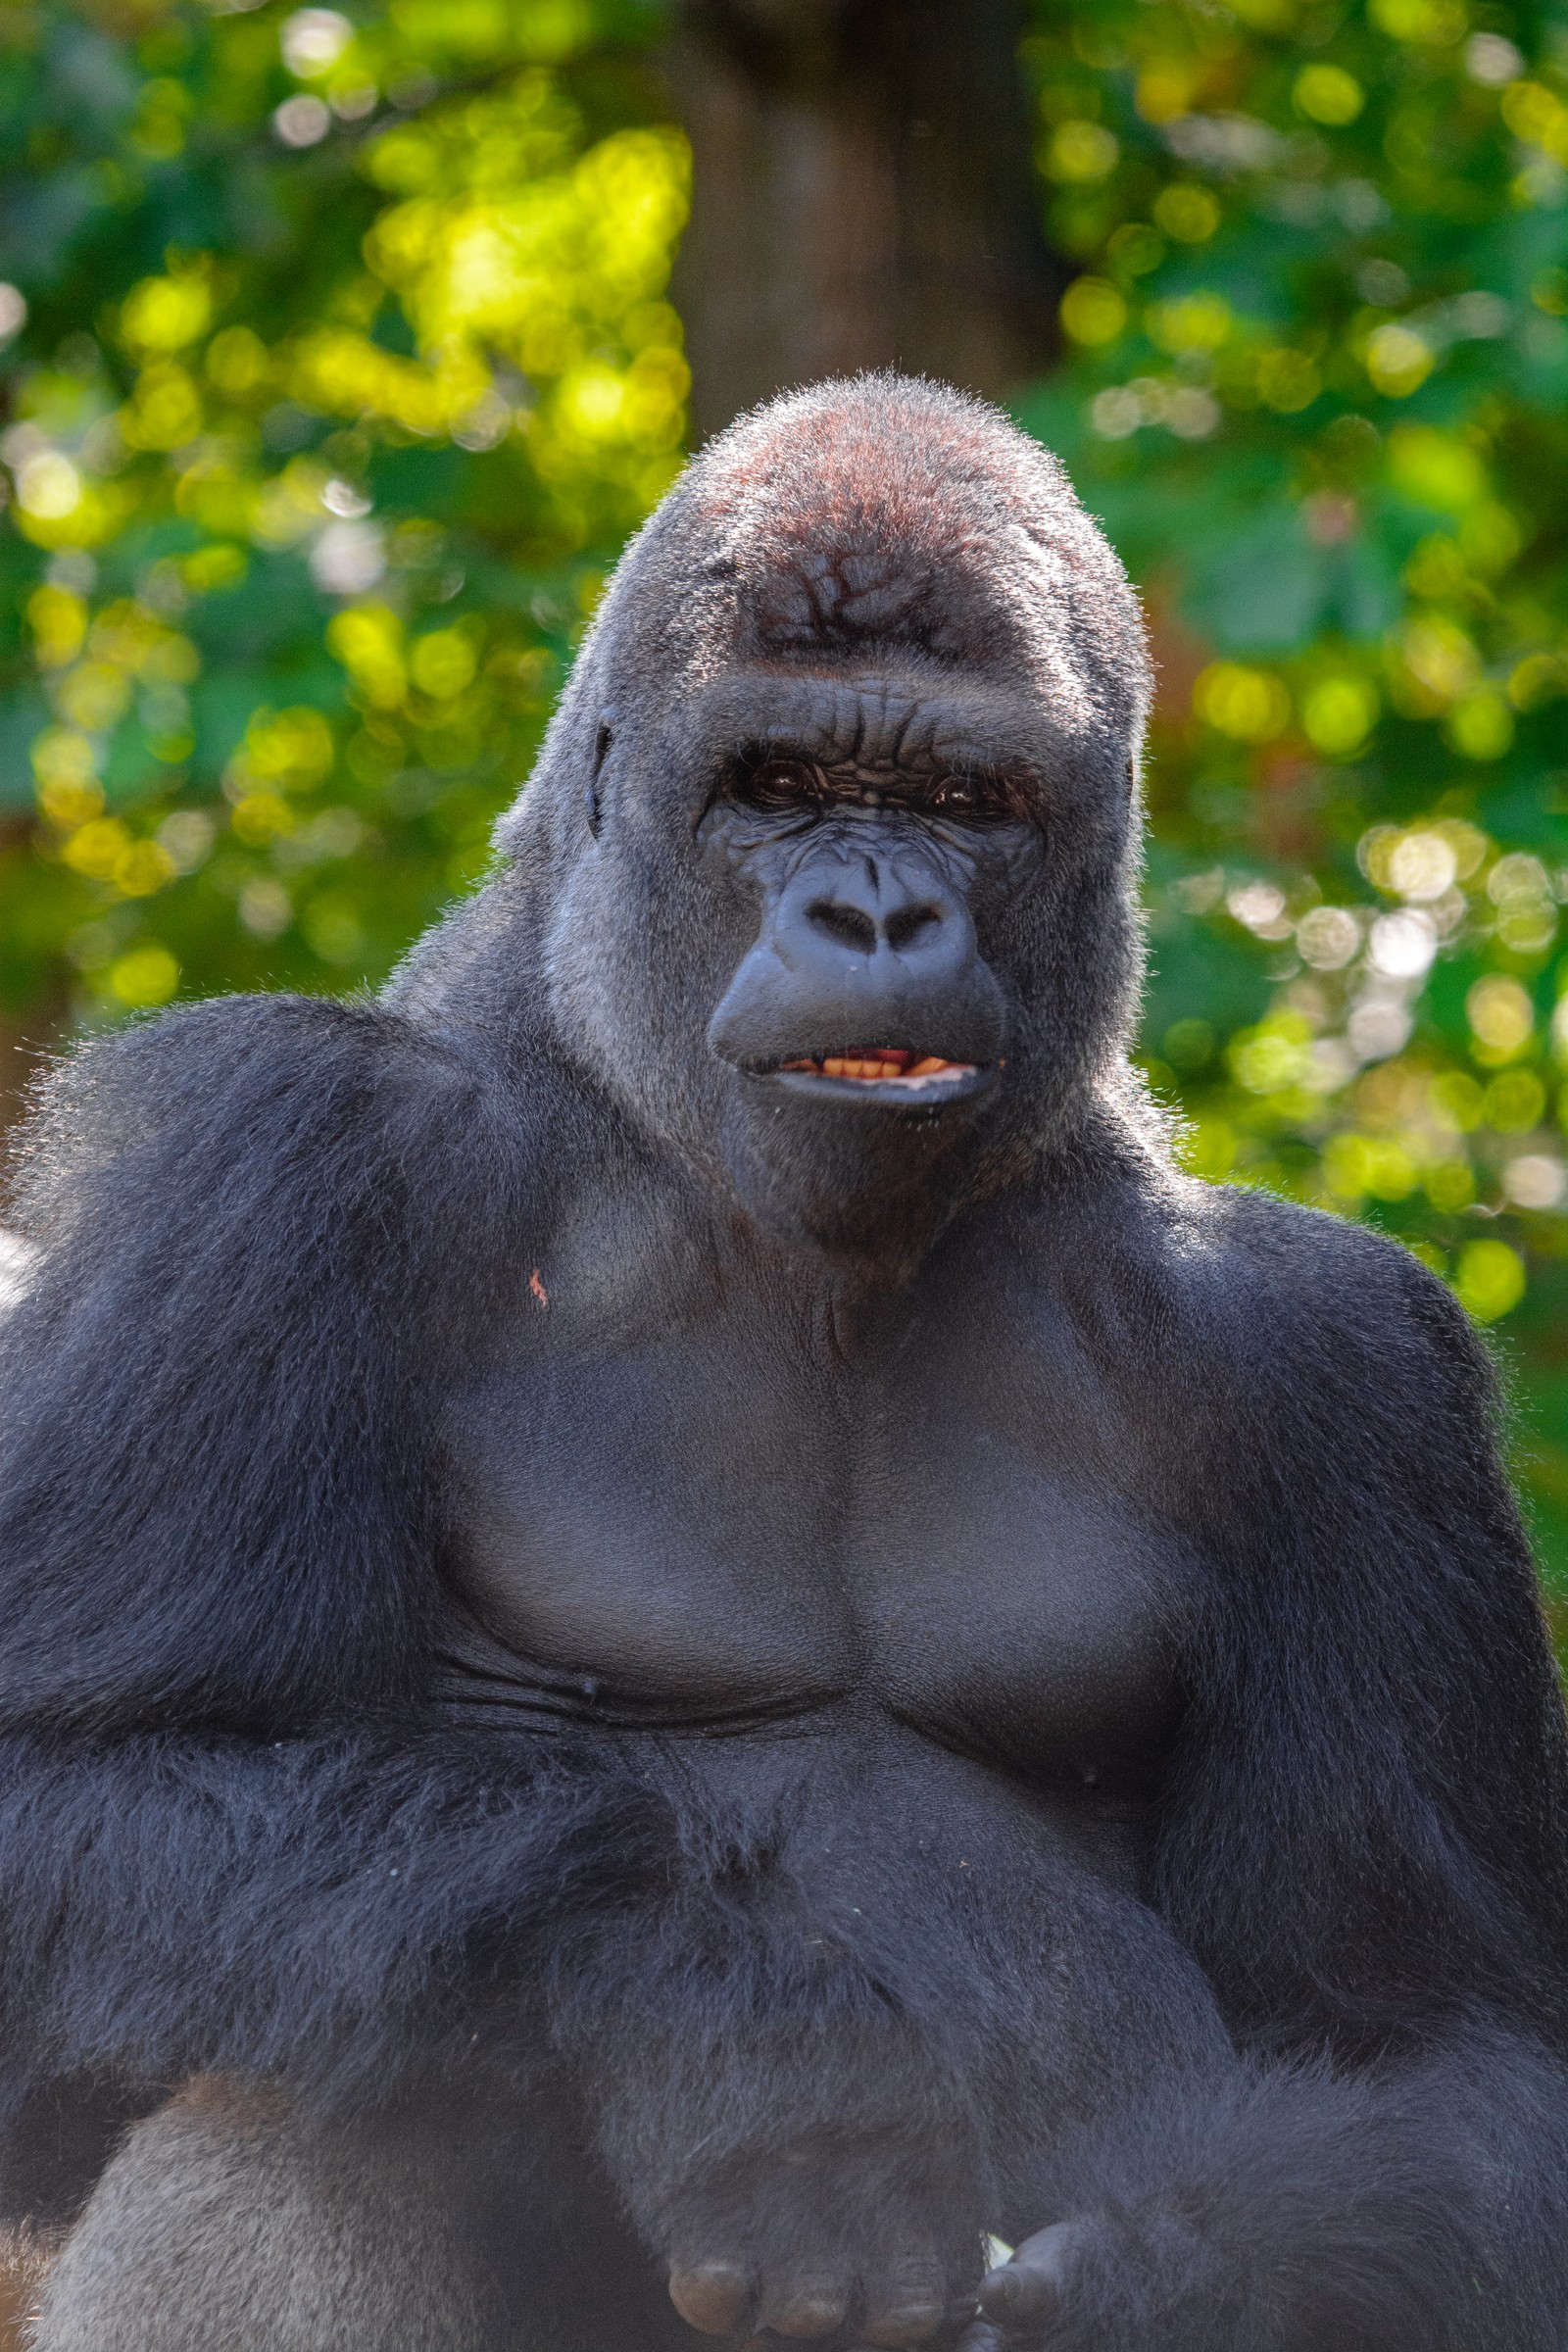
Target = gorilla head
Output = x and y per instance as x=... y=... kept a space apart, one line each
x=831 y=843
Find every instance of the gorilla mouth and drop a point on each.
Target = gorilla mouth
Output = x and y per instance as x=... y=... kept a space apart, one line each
x=884 y=1066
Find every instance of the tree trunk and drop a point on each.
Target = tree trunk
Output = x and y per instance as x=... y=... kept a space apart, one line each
x=863 y=196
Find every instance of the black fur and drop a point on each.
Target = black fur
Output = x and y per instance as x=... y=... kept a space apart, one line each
x=408 y=1904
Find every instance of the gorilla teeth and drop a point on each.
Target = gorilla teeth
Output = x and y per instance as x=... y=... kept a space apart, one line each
x=891 y=1066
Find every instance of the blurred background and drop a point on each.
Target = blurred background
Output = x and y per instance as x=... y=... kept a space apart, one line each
x=343 y=347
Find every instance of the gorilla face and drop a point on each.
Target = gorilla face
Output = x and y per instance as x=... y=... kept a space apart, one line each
x=794 y=941
x=829 y=862
x=873 y=842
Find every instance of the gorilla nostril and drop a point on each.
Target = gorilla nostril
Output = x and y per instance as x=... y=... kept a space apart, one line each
x=848 y=925
x=907 y=922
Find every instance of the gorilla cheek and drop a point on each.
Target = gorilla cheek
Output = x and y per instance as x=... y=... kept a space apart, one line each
x=632 y=967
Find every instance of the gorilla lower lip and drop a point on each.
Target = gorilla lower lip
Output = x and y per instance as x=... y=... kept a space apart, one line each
x=885 y=1065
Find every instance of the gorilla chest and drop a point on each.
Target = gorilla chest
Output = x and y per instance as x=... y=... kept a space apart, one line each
x=705 y=1535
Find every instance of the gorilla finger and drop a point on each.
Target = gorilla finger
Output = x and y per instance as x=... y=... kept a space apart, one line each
x=1028 y=2290
x=909 y=2310
x=980 y=2337
x=1020 y=2298
x=807 y=2307
x=713 y=2297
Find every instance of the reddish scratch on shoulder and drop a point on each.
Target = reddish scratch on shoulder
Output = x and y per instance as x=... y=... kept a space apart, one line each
x=536 y=1284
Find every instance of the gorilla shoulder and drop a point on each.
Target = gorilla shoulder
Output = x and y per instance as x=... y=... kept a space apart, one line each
x=1296 y=1265
x=1325 y=1344
x=246 y=1104
x=256 y=1224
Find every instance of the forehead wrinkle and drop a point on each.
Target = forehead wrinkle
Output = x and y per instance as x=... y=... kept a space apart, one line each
x=884 y=720
x=1012 y=589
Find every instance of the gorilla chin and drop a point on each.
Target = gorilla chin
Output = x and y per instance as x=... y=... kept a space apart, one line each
x=862 y=1155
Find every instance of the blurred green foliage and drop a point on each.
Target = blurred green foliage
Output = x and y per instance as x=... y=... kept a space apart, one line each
x=340 y=362
x=346 y=369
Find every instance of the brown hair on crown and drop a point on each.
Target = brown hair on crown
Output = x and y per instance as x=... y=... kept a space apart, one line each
x=890 y=510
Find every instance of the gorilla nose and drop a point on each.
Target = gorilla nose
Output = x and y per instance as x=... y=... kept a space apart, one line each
x=862 y=924
x=865 y=908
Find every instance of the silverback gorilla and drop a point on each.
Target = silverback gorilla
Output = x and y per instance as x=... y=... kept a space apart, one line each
x=681 y=1631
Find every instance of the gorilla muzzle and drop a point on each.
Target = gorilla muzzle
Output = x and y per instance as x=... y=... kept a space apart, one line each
x=865 y=982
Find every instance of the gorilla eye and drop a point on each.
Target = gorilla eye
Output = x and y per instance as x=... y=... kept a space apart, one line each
x=972 y=799
x=782 y=784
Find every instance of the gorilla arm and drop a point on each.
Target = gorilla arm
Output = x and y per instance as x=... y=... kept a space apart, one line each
x=229 y=1839
x=1367 y=1846
x=784 y=2112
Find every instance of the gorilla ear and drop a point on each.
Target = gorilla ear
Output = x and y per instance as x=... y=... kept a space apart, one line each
x=603 y=740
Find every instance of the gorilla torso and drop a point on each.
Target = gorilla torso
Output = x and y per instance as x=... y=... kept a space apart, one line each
x=926 y=1624
x=941 y=1519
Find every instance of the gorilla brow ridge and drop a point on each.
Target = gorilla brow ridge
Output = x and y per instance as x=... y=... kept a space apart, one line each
x=931 y=726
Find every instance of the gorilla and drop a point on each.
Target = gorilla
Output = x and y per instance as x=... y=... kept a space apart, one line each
x=684 y=1636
